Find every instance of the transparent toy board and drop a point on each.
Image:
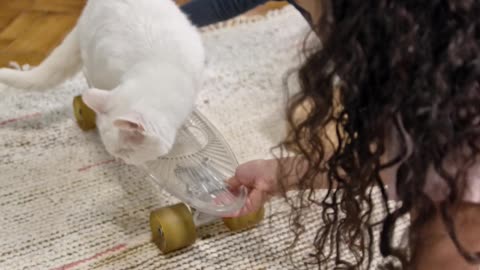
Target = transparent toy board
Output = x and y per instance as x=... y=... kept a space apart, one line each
x=196 y=168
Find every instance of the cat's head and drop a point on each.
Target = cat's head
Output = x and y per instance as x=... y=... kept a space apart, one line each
x=129 y=131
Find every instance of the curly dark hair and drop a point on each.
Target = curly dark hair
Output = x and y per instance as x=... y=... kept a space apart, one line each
x=404 y=67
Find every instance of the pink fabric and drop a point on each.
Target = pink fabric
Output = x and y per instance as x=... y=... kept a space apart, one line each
x=435 y=186
x=473 y=194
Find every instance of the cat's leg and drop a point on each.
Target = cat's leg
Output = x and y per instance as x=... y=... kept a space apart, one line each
x=64 y=62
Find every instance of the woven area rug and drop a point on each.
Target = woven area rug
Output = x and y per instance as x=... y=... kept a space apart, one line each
x=65 y=204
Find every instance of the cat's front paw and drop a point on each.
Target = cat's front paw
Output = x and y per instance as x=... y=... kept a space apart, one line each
x=164 y=148
x=166 y=139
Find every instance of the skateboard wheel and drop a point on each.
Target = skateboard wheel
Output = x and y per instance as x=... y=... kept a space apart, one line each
x=244 y=222
x=172 y=227
x=83 y=114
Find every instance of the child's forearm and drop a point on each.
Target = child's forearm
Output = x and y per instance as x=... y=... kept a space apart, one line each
x=293 y=168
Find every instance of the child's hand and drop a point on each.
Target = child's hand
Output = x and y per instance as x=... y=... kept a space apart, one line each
x=260 y=178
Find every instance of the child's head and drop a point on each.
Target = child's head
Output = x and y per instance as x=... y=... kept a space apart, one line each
x=401 y=63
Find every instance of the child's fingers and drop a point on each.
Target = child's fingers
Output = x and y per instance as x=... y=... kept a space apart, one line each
x=256 y=199
x=233 y=184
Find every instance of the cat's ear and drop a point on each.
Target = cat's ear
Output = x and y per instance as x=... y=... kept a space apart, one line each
x=96 y=99
x=137 y=121
x=130 y=122
x=137 y=126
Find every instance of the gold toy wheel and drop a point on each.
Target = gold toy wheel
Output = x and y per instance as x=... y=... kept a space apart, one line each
x=172 y=227
x=244 y=222
x=84 y=115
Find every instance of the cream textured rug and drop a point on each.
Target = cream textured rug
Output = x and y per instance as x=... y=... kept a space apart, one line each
x=65 y=204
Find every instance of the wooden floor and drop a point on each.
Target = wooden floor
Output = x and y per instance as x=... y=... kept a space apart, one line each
x=30 y=29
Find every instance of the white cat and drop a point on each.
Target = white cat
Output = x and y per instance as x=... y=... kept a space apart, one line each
x=144 y=62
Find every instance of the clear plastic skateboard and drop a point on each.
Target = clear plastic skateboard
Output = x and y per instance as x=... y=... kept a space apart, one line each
x=193 y=171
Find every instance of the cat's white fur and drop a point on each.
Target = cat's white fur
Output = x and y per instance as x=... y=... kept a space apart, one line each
x=143 y=60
